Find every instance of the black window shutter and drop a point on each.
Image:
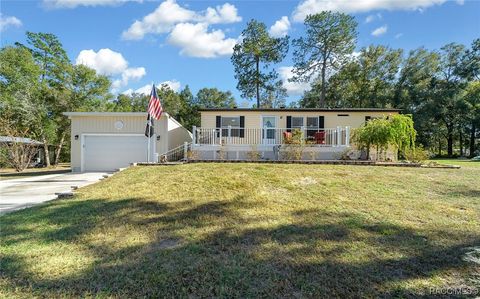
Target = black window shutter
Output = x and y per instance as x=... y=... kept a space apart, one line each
x=289 y=123
x=218 y=125
x=242 y=125
x=321 y=122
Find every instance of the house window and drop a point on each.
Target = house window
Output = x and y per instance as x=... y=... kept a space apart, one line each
x=312 y=126
x=297 y=122
x=233 y=122
x=312 y=122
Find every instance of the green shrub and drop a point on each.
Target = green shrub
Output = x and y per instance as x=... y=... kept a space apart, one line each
x=254 y=154
x=393 y=130
x=416 y=155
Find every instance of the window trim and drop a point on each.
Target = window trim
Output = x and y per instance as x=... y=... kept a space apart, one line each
x=298 y=127
x=317 y=121
x=226 y=127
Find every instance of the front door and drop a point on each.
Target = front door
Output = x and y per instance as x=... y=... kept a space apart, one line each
x=268 y=129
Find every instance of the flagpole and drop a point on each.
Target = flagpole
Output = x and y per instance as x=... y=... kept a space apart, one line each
x=149 y=137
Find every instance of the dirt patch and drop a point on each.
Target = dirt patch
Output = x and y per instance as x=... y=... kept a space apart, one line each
x=305 y=181
x=166 y=244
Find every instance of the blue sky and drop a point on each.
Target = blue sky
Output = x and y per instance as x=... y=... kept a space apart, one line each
x=189 y=42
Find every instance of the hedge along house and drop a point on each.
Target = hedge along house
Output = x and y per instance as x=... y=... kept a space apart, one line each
x=233 y=133
x=106 y=141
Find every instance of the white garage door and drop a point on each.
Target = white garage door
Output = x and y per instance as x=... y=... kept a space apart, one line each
x=107 y=153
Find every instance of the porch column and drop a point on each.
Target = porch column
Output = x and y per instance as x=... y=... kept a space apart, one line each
x=229 y=135
x=194 y=137
x=185 y=150
x=339 y=136
x=347 y=136
x=304 y=133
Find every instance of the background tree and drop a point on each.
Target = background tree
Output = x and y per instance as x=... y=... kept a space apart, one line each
x=446 y=105
x=189 y=116
x=257 y=47
x=214 y=98
x=135 y=102
x=414 y=90
x=274 y=96
x=471 y=61
x=472 y=100
x=55 y=72
x=330 y=40
x=368 y=80
x=19 y=88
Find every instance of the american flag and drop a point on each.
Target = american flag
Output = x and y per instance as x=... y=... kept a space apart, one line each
x=154 y=107
x=154 y=111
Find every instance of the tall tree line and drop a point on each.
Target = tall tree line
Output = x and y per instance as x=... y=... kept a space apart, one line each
x=37 y=84
x=440 y=88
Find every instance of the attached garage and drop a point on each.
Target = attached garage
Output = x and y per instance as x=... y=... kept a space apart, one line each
x=106 y=141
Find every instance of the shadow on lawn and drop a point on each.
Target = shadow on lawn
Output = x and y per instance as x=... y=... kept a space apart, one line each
x=225 y=257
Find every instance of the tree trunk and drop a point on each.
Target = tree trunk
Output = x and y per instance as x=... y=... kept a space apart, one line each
x=59 y=149
x=472 y=140
x=439 y=146
x=324 y=85
x=460 y=136
x=450 y=144
x=46 y=152
x=257 y=83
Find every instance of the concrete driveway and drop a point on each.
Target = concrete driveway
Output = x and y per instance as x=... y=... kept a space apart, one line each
x=17 y=194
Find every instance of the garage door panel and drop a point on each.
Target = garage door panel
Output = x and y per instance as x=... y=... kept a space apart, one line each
x=107 y=153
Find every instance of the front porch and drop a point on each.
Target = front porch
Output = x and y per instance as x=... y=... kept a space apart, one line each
x=268 y=136
x=230 y=143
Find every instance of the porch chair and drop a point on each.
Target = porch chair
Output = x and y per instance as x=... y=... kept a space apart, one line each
x=320 y=137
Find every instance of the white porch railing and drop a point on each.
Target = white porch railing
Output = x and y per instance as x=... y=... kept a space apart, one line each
x=328 y=137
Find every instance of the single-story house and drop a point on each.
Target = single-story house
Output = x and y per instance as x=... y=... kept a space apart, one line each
x=234 y=132
x=105 y=141
x=38 y=158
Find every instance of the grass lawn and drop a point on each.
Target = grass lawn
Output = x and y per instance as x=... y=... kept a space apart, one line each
x=251 y=230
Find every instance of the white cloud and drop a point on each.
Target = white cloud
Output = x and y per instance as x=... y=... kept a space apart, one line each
x=146 y=89
x=398 y=35
x=169 y=13
x=373 y=17
x=225 y=14
x=8 y=21
x=111 y=63
x=293 y=88
x=380 y=30
x=308 y=7
x=75 y=3
x=105 y=61
x=195 y=40
x=280 y=28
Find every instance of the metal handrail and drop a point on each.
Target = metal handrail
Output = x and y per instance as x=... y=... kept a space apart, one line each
x=176 y=154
